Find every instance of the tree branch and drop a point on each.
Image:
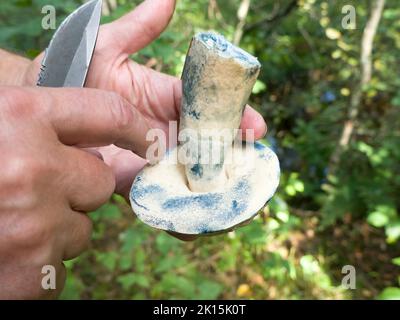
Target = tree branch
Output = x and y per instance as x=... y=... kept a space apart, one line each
x=365 y=77
x=274 y=18
x=242 y=12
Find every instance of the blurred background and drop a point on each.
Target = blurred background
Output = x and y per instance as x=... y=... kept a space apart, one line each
x=329 y=93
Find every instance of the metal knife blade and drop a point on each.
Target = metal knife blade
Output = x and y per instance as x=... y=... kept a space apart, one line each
x=67 y=58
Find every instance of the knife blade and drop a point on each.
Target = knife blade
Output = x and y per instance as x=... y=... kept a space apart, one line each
x=67 y=58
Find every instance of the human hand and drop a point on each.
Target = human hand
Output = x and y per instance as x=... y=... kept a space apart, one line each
x=48 y=181
x=156 y=95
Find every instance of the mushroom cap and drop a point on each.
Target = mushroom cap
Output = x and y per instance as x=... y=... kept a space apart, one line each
x=160 y=196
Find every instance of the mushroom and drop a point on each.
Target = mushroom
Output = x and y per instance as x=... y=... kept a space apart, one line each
x=212 y=181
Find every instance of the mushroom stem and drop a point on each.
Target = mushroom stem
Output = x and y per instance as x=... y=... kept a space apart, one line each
x=217 y=80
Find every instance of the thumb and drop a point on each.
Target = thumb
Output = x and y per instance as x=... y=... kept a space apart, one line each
x=138 y=28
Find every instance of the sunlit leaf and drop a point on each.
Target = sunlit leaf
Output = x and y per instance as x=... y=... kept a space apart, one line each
x=396 y=261
x=390 y=293
x=377 y=219
x=259 y=86
x=332 y=33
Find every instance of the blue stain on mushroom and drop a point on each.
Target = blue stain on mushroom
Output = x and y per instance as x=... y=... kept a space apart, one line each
x=259 y=146
x=140 y=192
x=219 y=43
x=139 y=205
x=162 y=223
x=204 y=201
x=194 y=114
x=203 y=228
x=197 y=170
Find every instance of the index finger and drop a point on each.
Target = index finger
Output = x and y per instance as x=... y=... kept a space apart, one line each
x=92 y=118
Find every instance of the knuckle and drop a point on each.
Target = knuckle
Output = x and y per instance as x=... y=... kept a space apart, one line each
x=16 y=172
x=100 y=186
x=23 y=168
x=18 y=103
x=29 y=233
x=21 y=177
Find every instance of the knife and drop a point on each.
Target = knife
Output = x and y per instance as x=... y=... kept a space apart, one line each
x=67 y=58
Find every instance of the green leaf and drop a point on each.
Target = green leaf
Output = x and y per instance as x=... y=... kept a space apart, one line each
x=126 y=262
x=72 y=288
x=276 y=267
x=142 y=281
x=176 y=286
x=170 y=262
x=396 y=101
x=209 y=290
x=254 y=233
x=126 y=280
x=290 y=190
x=107 y=211
x=140 y=260
x=165 y=242
x=283 y=216
x=107 y=259
x=130 y=279
x=377 y=219
x=299 y=186
x=396 y=261
x=130 y=239
x=259 y=87
x=332 y=33
x=365 y=148
x=392 y=231
x=390 y=293
x=309 y=264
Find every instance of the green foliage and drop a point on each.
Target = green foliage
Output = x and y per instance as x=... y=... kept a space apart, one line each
x=315 y=224
x=390 y=294
x=21 y=23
